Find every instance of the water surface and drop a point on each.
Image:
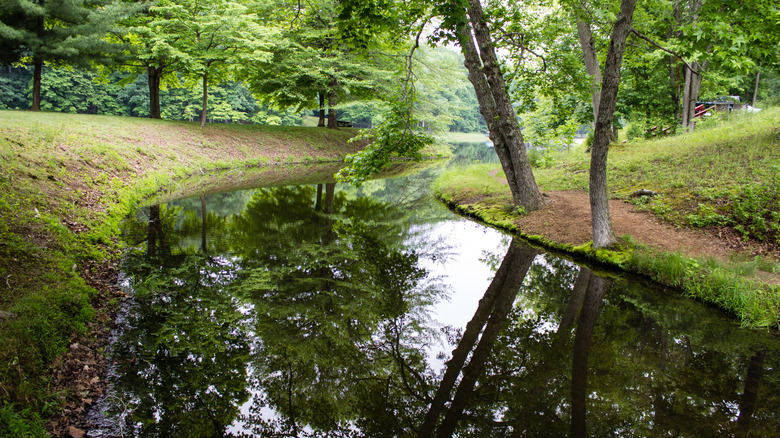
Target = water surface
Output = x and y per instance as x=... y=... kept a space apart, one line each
x=326 y=310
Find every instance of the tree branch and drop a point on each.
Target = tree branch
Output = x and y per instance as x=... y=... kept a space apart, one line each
x=508 y=37
x=671 y=52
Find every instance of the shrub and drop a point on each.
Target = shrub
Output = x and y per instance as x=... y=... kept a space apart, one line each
x=26 y=423
x=757 y=209
x=706 y=216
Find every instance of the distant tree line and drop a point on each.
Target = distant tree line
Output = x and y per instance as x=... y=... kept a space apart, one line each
x=82 y=91
x=236 y=61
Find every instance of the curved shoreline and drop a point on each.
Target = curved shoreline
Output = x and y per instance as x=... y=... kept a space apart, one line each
x=67 y=182
x=754 y=302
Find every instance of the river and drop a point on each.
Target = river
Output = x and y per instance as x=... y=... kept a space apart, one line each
x=327 y=310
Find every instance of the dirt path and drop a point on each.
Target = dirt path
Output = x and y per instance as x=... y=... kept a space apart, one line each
x=566 y=219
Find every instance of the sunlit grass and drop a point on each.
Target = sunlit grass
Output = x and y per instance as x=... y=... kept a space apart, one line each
x=707 y=168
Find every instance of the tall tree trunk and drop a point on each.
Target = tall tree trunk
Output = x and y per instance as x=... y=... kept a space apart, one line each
x=696 y=78
x=755 y=88
x=603 y=235
x=591 y=65
x=686 y=106
x=691 y=94
x=37 y=67
x=205 y=98
x=332 y=102
x=597 y=288
x=154 y=74
x=321 y=122
x=496 y=106
x=674 y=94
x=692 y=76
x=36 y=95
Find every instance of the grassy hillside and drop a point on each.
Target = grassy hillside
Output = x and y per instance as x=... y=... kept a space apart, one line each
x=66 y=181
x=724 y=177
x=715 y=176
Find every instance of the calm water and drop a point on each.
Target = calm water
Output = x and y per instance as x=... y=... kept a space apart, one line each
x=376 y=312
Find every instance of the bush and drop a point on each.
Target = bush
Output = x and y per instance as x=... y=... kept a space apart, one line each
x=588 y=140
x=538 y=158
x=757 y=210
x=15 y=424
x=636 y=130
x=705 y=216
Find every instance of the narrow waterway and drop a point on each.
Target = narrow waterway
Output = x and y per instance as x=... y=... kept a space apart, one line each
x=327 y=310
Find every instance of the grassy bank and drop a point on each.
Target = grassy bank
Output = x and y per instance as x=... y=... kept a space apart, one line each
x=66 y=183
x=724 y=178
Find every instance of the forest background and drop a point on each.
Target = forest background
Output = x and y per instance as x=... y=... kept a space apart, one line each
x=273 y=62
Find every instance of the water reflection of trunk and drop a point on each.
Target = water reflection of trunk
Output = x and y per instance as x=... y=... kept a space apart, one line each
x=203 y=219
x=318 y=201
x=330 y=197
x=156 y=234
x=594 y=295
x=491 y=314
x=574 y=305
x=660 y=407
x=747 y=405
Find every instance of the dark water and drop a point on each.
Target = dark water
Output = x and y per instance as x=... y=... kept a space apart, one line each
x=376 y=312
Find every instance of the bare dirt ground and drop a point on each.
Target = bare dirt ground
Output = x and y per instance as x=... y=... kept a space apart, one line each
x=566 y=219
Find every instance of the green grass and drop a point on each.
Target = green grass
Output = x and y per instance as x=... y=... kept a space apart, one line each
x=475 y=191
x=732 y=287
x=725 y=174
x=698 y=176
x=311 y=121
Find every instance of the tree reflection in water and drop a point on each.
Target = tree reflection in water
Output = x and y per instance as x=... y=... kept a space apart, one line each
x=298 y=314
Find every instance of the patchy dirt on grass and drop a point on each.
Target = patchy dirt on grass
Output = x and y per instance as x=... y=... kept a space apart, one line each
x=565 y=218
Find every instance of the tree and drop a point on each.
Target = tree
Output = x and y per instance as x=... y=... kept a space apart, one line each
x=148 y=47
x=591 y=64
x=56 y=32
x=603 y=235
x=310 y=66
x=466 y=24
x=214 y=35
x=496 y=106
x=710 y=40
